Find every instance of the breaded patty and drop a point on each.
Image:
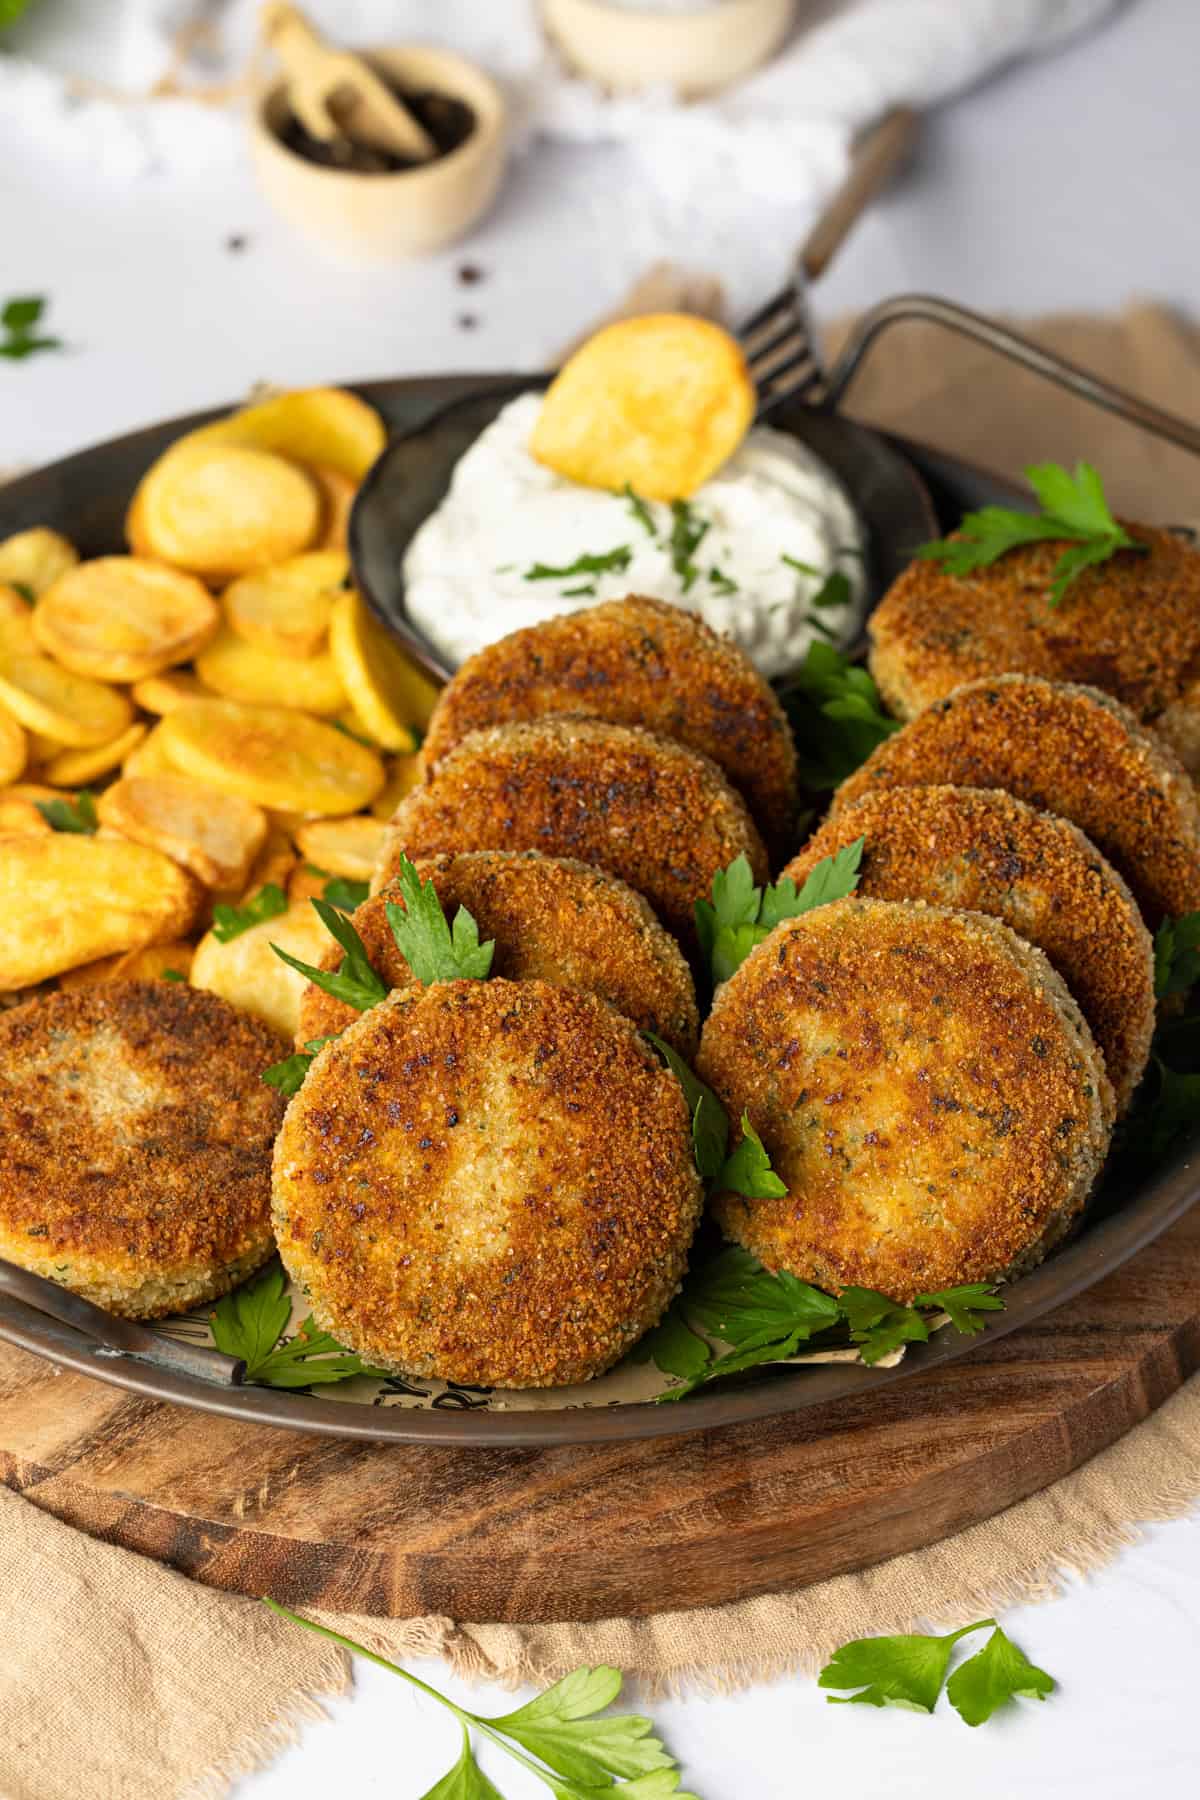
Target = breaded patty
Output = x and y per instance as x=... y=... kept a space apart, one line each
x=660 y=816
x=1066 y=750
x=924 y=1084
x=1130 y=626
x=635 y=662
x=552 y=920
x=135 y=1144
x=488 y=1181
x=984 y=851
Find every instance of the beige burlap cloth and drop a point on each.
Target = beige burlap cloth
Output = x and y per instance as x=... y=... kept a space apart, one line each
x=120 y=1680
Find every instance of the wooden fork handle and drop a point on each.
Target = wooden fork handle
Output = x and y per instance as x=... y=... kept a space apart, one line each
x=875 y=159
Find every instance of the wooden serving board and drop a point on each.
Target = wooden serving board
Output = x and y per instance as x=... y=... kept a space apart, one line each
x=515 y=1534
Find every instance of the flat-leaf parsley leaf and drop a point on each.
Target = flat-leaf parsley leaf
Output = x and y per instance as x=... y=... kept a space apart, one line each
x=740 y=915
x=78 y=815
x=434 y=950
x=230 y=921
x=250 y=1322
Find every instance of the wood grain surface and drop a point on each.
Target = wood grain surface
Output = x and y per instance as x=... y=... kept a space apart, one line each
x=637 y=1528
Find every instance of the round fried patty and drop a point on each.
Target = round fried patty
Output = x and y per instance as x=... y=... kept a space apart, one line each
x=135 y=1144
x=984 y=851
x=552 y=920
x=488 y=1181
x=1066 y=750
x=660 y=816
x=924 y=1084
x=635 y=662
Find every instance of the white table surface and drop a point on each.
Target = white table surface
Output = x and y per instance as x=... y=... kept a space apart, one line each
x=1072 y=184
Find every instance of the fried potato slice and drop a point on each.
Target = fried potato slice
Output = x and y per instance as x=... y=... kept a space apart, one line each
x=242 y=671
x=657 y=402
x=403 y=775
x=156 y=962
x=286 y=609
x=149 y=757
x=30 y=790
x=219 y=510
x=36 y=558
x=20 y=817
x=344 y=846
x=75 y=768
x=327 y=427
x=389 y=693
x=14 y=748
x=337 y=495
x=277 y=758
x=274 y=863
x=217 y=836
x=12 y=605
x=68 y=899
x=43 y=696
x=162 y=693
x=306 y=882
x=121 y=618
x=247 y=972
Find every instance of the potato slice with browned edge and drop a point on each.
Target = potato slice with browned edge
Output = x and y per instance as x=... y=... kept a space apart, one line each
x=273 y=865
x=306 y=882
x=322 y=426
x=156 y=962
x=149 y=757
x=13 y=605
x=217 y=836
x=121 y=618
x=14 y=748
x=246 y=971
x=34 y=559
x=279 y=759
x=403 y=775
x=75 y=768
x=43 y=696
x=389 y=693
x=242 y=671
x=337 y=495
x=286 y=609
x=219 y=510
x=67 y=899
x=162 y=693
x=344 y=846
x=21 y=817
x=656 y=403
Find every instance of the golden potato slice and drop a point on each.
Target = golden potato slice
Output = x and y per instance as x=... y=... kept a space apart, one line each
x=277 y=758
x=389 y=693
x=156 y=962
x=242 y=671
x=12 y=604
x=14 y=748
x=31 y=790
x=327 y=427
x=121 y=618
x=219 y=510
x=217 y=836
x=306 y=882
x=68 y=899
x=161 y=693
x=658 y=403
x=43 y=696
x=286 y=609
x=75 y=768
x=337 y=495
x=403 y=775
x=35 y=559
x=20 y=817
x=246 y=971
x=287 y=820
x=344 y=846
x=149 y=757
x=273 y=865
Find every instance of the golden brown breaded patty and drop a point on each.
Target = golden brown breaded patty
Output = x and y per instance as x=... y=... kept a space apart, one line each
x=1066 y=750
x=635 y=662
x=135 y=1144
x=1130 y=626
x=552 y=920
x=660 y=816
x=984 y=851
x=488 y=1181
x=923 y=1083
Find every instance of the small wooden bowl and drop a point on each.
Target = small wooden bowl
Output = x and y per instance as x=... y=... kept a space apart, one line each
x=694 y=53
x=378 y=218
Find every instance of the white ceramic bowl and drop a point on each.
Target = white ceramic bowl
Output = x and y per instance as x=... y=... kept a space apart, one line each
x=379 y=218
x=694 y=52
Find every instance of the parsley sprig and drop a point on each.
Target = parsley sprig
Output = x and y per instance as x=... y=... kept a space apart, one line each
x=557 y=1736
x=909 y=1670
x=1073 y=508
x=688 y=531
x=836 y=716
x=434 y=950
x=78 y=815
x=1177 y=955
x=250 y=1323
x=230 y=921
x=640 y=510
x=19 y=321
x=748 y=1170
x=288 y=1075
x=354 y=980
x=600 y=562
x=740 y=915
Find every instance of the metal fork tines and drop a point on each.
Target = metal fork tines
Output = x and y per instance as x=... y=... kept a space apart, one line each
x=780 y=346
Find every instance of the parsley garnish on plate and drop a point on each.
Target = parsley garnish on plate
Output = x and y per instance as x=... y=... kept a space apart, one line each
x=346 y=894
x=1177 y=955
x=601 y=562
x=724 y=584
x=1073 y=508
x=250 y=1322
x=19 y=321
x=740 y=915
x=78 y=815
x=557 y=1736
x=640 y=510
x=230 y=921
x=433 y=949
x=354 y=980
x=288 y=1075
x=909 y=1670
x=688 y=531
x=834 y=710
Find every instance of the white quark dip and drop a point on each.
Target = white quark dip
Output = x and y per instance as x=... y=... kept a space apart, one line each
x=474 y=570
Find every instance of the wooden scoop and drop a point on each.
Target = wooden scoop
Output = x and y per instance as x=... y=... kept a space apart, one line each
x=334 y=94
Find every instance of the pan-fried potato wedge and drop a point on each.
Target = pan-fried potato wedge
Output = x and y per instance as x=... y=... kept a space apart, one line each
x=273 y=865
x=31 y=790
x=389 y=694
x=219 y=510
x=12 y=604
x=75 y=768
x=242 y=671
x=14 y=748
x=286 y=609
x=217 y=836
x=247 y=972
x=67 y=899
x=150 y=756
x=35 y=559
x=306 y=882
x=120 y=618
x=658 y=402
x=279 y=759
x=20 y=817
x=156 y=962
x=327 y=427
x=162 y=693
x=403 y=775
x=43 y=696
x=337 y=496
x=344 y=846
